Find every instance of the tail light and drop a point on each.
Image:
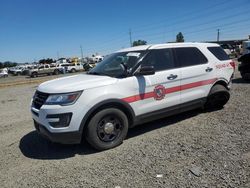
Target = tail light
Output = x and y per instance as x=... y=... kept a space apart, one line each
x=232 y=63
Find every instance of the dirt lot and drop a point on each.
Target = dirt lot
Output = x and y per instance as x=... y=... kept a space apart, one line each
x=195 y=149
x=23 y=79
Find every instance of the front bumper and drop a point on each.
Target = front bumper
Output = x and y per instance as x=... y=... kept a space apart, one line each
x=63 y=138
x=48 y=122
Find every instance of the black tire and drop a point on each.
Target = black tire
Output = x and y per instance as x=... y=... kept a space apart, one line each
x=73 y=70
x=106 y=120
x=217 y=98
x=34 y=74
x=56 y=72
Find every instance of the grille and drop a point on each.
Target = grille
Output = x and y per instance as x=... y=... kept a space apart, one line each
x=39 y=99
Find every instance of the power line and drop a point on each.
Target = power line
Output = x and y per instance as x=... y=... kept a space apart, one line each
x=188 y=13
x=194 y=16
x=186 y=19
x=203 y=23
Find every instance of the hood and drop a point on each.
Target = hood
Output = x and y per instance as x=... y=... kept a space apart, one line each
x=75 y=83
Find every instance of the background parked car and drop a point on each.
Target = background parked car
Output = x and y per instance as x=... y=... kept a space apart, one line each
x=18 y=71
x=4 y=73
x=227 y=48
x=73 y=67
x=244 y=67
x=43 y=70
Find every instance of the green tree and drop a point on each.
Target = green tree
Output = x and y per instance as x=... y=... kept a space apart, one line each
x=46 y=61
x=139 y=42
x=9 y=64
x=179 y=37
x=1 y=65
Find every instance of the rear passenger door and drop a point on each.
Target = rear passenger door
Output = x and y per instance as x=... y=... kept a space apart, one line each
x=196 y=74
x=161 y=90
x=46 y=69
x=41 y=69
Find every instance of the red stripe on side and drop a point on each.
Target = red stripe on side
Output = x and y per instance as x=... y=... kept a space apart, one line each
x=172 y=89
x=139 y=97
x=168 y=90
x=197 y=84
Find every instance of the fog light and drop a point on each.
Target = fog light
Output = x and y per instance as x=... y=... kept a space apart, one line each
x=59 y=120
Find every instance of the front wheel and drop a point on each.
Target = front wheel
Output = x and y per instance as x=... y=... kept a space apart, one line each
x=218 y=97
x=56 y=72
x=107 y=129
x=34 y=74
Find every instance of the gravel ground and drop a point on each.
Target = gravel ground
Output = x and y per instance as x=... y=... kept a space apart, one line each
x=195 y=149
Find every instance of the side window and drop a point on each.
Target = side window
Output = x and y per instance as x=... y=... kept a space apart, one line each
x=219 y=53
x=46 y=66
x=161 y=59
x=190 y=56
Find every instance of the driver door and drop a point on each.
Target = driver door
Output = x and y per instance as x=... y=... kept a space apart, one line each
x=160 y=91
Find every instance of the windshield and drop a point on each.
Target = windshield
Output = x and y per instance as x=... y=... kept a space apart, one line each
x=117 y=64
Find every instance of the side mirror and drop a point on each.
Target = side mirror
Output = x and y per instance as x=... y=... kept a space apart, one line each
x=145 y=70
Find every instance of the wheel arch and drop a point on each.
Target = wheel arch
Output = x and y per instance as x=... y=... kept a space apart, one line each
x=222 y=82
x=35 y=73
x=110 y=103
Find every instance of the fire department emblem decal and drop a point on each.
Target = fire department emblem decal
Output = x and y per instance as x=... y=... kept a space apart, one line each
x=159 y=92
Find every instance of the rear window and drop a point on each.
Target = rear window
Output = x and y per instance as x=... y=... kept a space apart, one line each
x=190 y=56
x=219 y=53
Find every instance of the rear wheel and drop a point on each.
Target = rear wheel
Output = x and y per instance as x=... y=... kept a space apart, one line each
x=107 y=129
x=73 y=70
x=218 y=97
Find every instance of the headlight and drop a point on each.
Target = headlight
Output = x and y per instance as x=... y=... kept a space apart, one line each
x=63 y=99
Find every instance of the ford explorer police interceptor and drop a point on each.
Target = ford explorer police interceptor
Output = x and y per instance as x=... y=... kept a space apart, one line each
x=130 y=87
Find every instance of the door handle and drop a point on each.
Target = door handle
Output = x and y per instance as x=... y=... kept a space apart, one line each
x=209 y=69
x=172 y=77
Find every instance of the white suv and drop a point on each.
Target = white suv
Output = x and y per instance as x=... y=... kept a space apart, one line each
x=130 y=87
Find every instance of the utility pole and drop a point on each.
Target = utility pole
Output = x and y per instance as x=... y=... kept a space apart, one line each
x=81 y=51
x=218 y=35
x=130 y=37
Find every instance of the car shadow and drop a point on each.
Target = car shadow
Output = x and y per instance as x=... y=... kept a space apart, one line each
x=32 y=145
x=240 y=81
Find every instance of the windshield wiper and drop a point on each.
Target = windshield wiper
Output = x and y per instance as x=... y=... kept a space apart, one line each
x=98 y=73
x=94 y=73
